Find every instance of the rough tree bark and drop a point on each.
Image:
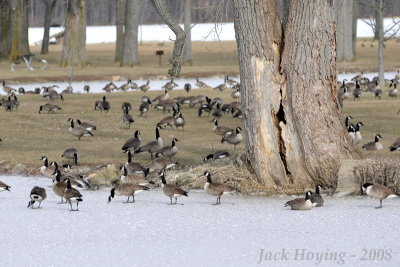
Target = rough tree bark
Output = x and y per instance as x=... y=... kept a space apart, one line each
x=344 y=35
x=120 y=21
x=294 y=135
x=177 y=54
x=15 y=53
x=24 y=40
x=74 y=47
x=130 y=55
x=47 y=22
x=379 y=28
x=5 y=29
x=187 y=51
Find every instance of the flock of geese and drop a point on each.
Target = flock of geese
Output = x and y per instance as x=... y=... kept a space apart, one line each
x=134 y=176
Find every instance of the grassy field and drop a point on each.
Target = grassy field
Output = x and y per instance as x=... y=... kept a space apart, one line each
x=209 y=58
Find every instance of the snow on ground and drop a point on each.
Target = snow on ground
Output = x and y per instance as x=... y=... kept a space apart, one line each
x=160 y=33
x=152 y=233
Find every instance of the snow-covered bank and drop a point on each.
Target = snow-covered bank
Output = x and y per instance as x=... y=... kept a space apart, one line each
x=150 y=232
x=160 y=33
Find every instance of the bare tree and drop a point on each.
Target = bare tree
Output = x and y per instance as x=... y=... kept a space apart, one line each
x=187 y=51
x=74 y=47
x=5 y=31
x=344 y=34
x=177 y=54
x=130 y=55
x=120 y=22
x=47 y=22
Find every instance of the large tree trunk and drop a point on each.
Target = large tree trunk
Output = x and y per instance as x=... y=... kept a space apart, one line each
x=24 y=41
x=5 y=29
x=120 y=21
x=74 y=47
x=130 y=55
x=344 y=35
x=187 y=50
x=15 y=53
x=294 y=135
x=47 y=22
x=379 y=27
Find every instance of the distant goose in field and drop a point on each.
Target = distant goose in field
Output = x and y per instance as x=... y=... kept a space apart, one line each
x=357 y=91
x=153 y=146
x=378 y=91
x=127 y=189
x=161 y=164
x=341 y=95
x=46 y=169
x=144 y=108
x=52 y=95
x=134 y=178
x=167 y=121
x=71 y=153
x=103 y=105
x=51 y=88
x=68 y=90
x=222 y=86
x=179 y=121
x=226 y=108
x=145 y=99
x=346 y=121
x=135 y=167
x=169 y=151
x=233 y=138
x=38 y=194
x=4 y=187
x=395 y=145
x=167 y=106
x=187 y=87
x=63 y=178
x=207 y=107
x=126 y=105
x=351 y=130
x=145 y=86
x=88 y=126
x=393 y=91
x=7 y=89
x=133 y=143
x=127 y=118
x=316 y=197
x=86 y=89
x=128 y=85
x=169 y=85
x=78 y=131
x=236 y=94
x=21 y=91
x=72 y=195
x=49 y=108
x=221 y=130
x=378 y=191
x=171 y=190
x=109 y=87
x=59 y=188
x=358 y=77
x=231 y=82
x=375 y=145
x=220 y=154
x=217 y=112
x=301 y=203
x=201 y=84
x=217 y=189
x=357 y=133
x=237 y=113
x=163 y=97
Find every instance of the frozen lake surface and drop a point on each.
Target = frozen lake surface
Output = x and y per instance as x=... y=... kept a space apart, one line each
x=344 y=232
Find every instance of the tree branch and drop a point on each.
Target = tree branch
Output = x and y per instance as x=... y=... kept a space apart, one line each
x=177 y=55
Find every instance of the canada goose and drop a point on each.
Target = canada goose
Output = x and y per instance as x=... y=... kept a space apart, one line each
x=127 y=118
x=397 y=76
x=72 y=195
x=128 y=85
x=88 y=126
x=222 y=86
x=201 y=84
x=135 y=167
x=233 y=138
x=378 y=91
x=63 y=178
x=71 y=153
x=7 y=89
x=7 y=104
x=78 y=131
x=221 y=130
x=316 y=197
x=38 y=194
x=161 y=164
x=126 y=105
x=375 y=145
x=167 y=106
x=68 y=90
x=153 y=146
x=395 y=145
x=46 y=169
x=393 y=91
x=171 y=190
x=51 y=88
x=4 y=187
x=357 y=91
x=145 y=99
x=127 y=189
x=145 y=86
x=351 y=130
x=169 y=85
x=86 y=88
x=207 y=107
x=144 y=107
x=231 y=82
x=187 y=87
x=217 y=112
x=358 y=77
x=49 y=108
x=179 y=121
x=217 y=100
x=341 y=95
x=235 y=94
x=162 y=98
x=378 y=191
x=169 y=151
x=109 y=87
x=226 y=108
x=346 y=121
x=357 y=133
x=133 y=143
x=196 y=100
x=217 y=155
x=237 y=113
x=52 y=95
x=167 y=121
x=14 y=102
x=217 y=189
x=301 y=203
x=104 y=105
x=59 y=187
x=134 y=178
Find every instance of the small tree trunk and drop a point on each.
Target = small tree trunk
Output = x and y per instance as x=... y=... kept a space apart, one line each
x=344 y=32
x=15 y=53
x=47 y=22
x=379 y=23
x=74 y=47
x=130 y=48
x=187 y=51
x=355 y=21
x=120 y=21
x=5 y=30
x=24 y=41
